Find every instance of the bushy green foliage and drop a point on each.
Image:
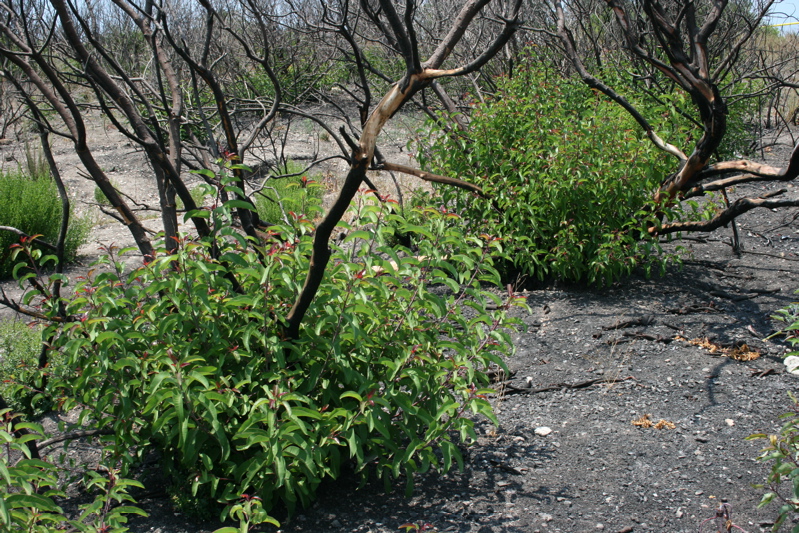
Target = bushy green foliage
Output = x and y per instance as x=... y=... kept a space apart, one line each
x=392 y=357
x=568 y=175
x=30 y=202
x=29 y=489
x=283 y=200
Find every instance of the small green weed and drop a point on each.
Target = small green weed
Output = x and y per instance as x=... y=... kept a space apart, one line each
x=782 y=452
x=249 y=511
x=197 y=194
x=100 y=197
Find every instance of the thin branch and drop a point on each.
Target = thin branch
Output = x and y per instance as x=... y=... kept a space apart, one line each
x=434 y=178
x=75 y=435
x=23 y=234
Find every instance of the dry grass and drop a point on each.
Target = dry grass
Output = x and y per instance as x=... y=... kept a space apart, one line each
x=740 y=353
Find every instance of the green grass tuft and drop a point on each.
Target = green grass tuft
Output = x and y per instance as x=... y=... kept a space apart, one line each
x=30 y=202
x=297 y=194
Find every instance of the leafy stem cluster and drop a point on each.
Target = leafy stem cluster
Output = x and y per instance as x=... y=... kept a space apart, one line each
x=187 y=354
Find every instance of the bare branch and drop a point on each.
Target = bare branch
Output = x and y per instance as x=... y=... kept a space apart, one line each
x=737 y=208
x=434 y=178
x=23 y=234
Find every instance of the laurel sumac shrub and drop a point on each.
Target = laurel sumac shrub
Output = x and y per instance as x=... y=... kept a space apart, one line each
x=389 y=367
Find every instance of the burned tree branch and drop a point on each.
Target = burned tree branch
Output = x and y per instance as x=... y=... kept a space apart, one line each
x=433 y=178
x=23 y=234
x=737 y=208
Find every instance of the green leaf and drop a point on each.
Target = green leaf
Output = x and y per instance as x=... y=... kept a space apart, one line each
x=34 y=501
x=358 y=234
x=239 y=204
x=204 y=172
x=352 y=394
x=130 y=509
x=196 y=213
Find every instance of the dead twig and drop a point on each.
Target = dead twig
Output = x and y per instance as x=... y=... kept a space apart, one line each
x=621 y=324
x=510 y=389
x=75 y=435
x=505 y=467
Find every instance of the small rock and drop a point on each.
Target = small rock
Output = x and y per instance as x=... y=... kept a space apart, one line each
x=699 y=492
x=545 y=517
x=600 y=526
x=335 y=523
x=543 y=431
x=792 y=364
x=730 y=422
x=679 y=513
x=628 y=529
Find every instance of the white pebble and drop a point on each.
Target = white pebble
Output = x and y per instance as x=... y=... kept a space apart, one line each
x=792 y=364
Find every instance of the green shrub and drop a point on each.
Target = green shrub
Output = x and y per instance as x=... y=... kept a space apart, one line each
x=298 y=195
x=569 y=176
x=30 y=202
x=300 y=81
x=391 y=358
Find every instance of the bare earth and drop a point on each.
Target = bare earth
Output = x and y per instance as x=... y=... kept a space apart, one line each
x=629 y=350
